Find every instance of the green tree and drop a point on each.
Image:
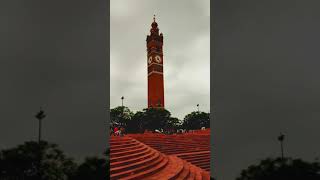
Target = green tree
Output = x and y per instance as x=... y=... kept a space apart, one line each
x=135 y=125
x=120 y=115
x=149 y=118
x=278 y=169
x=93 y=168
x=159 y=118
x=196 y=120
x=174 y=123
x=21 y=162
x=156 y=118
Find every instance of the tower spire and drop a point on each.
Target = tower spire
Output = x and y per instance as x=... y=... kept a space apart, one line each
x=154 y=18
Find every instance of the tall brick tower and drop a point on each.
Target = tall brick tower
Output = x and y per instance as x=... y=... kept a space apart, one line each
x=155 y=67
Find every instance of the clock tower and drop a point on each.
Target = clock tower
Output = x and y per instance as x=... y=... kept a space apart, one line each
x=155 y=67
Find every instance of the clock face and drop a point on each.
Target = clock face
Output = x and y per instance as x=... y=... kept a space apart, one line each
x=158 y=59
x=150 y=60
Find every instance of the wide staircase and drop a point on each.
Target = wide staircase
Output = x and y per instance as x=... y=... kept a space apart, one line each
x=132 y=160
x=193 y=147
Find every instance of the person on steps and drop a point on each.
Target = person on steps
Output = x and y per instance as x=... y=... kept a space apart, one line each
x=116 y=131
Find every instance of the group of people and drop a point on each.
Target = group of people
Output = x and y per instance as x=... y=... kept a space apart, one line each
x=120 y=131
x=116 y=131
x=182 y=131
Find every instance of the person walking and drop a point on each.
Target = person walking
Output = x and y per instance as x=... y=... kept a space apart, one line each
x=121 y=131
x=116 y=131
x=111 y=131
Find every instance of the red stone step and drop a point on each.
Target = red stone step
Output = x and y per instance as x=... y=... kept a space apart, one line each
x=170 y=148
x=133 y=160
x=185 y=172
x=122 y=139
x=205 y=175
x=178 y=148
x=190 y=159
x=202 y=163
x=192 y=174
x=177 y=145
x=206 y=160
x=172 y=141
x=171 y=171
x=181 y=147
x=198 y=175
x=125 y=148
x=118 y=137
x=202 y=166
x=117 y=154
x=140 y=169
x=193 y=153
x=122 y=145
x=206 y=168
x=132 y=155
x=135 y=165
x=147 y=173
x=114 y=141
x=173 y=152
x=194 y=157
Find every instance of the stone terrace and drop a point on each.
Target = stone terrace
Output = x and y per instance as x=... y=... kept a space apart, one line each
x=139 y=156
x=192 y=147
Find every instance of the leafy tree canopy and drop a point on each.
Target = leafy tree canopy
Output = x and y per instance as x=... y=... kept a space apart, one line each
x=120 y=115
x=156 y=118
x=135 y=125
x=276 y=169
x=21 y=162
x=151 y=119
x=196 y=120
x=93 y=168
x=159 y=118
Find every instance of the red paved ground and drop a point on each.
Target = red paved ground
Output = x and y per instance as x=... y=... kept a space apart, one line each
x=192 y=147
x=162 y=157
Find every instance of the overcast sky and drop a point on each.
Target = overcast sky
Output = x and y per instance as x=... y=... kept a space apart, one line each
x=54 y=54
x=267 y=82
x=186 y=29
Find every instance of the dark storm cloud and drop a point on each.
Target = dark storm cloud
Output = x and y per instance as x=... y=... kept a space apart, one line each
x=53 y=54
x=267 y=61
x=186 y=29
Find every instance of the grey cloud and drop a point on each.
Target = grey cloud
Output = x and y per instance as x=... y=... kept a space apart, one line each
x=53 y=54
x=265 y=54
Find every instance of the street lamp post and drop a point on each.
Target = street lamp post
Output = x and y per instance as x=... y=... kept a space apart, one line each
x=40 y=115
x=122 y=108
x=281 y=138
x=122 y=100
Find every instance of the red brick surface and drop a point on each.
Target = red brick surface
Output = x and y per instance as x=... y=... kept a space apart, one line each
x=139 y=157
x=193 y=147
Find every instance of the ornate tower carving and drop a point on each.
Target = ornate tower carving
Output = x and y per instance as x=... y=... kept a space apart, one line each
x=155 y=67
